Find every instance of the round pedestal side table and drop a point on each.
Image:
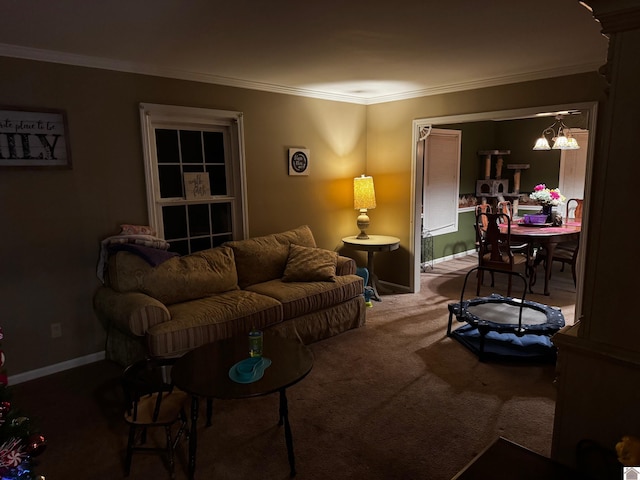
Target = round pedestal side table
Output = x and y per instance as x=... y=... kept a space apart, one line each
x=375 y=243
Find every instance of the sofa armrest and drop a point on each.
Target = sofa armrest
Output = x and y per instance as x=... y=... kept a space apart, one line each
x=130 y=312
x=345 y=266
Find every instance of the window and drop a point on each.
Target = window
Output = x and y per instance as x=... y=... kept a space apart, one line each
x=209 y=144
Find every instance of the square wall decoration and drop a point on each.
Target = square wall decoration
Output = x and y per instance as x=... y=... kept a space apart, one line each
x=196 y=185
x=299 y=161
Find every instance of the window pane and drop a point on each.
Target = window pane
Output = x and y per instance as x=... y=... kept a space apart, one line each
x=193 y=168
x=213 y=147
x=199 y=220
x=220 y=239
x=217 y=179
x=170 y=181
x=181 y=247
x=167 y=146
x=198 y=244
x=221 y=217
x=175 y=222
x=191 y=146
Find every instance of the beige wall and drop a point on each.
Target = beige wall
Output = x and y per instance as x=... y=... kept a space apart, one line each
x=53 y=221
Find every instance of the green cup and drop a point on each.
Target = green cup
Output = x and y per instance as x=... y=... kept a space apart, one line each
x=255 y=343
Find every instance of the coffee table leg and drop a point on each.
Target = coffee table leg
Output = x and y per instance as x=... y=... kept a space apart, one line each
x=209 y=411
x=193 y=436
x=284 y=418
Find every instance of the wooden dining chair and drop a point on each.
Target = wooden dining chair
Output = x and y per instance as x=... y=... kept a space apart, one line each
x=506 y=207
x=574 y=209
x=481 y=208
x=566 y=253
x=495 y=250
x=151 y=400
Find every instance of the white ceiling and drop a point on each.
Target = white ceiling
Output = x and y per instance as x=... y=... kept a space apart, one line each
x=348 y=50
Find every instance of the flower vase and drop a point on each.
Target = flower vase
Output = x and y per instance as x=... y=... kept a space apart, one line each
x=548 y=211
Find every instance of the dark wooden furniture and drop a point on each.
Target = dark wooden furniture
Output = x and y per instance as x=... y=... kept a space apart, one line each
x=506 y=460
x=567 y=252
x=481 y=208
x=152 y=402
x=375 y=243
x=496 y=252
x=547 y=237
x=204 y=373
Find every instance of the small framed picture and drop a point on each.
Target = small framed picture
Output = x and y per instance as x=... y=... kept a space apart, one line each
x=299 y=161
x=196 y=185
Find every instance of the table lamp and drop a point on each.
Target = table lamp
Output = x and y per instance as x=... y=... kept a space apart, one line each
x=364 y=197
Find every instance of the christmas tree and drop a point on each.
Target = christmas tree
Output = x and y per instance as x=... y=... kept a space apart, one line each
x=19 y=442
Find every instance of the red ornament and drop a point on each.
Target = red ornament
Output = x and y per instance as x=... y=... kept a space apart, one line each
x=5 y=407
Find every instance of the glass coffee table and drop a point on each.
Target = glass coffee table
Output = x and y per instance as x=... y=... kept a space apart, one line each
x=204 y=373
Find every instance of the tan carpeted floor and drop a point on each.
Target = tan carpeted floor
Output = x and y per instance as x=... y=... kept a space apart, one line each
x=395 y=399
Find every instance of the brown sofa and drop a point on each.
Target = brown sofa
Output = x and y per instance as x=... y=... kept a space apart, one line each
x=281 y=282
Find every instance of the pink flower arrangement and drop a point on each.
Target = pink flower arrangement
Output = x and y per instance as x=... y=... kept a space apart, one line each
x=547 y=196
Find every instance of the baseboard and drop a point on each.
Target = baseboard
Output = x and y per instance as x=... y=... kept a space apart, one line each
x=58 y=367
x=455 y=255
x=396 y=288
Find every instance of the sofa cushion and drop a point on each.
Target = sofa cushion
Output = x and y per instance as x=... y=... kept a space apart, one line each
x=300 y=298
x=178 y=279
x=211 y=318
x=308 y=264
x=260 y=259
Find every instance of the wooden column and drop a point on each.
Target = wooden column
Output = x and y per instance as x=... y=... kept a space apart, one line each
x=599 y=358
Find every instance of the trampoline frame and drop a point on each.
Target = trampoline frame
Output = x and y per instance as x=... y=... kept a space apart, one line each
x=555 y=318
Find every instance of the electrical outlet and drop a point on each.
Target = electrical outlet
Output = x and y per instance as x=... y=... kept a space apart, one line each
x=56 y=330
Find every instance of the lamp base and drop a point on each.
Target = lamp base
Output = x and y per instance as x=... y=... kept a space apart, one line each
x=363 y=224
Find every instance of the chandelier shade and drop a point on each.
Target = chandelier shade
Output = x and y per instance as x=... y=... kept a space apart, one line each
x=561 y=136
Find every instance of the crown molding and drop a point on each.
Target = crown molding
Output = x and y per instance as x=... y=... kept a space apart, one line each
x=615 y=15
x=51 y=56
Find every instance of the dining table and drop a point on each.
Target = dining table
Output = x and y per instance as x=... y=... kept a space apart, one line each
x=544 y=235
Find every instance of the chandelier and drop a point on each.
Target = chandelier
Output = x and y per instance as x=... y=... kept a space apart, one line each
x=561 y=136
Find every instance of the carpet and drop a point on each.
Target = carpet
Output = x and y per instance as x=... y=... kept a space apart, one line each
x=395 y=399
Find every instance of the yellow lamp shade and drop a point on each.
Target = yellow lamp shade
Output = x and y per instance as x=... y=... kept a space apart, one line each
x=364 y=195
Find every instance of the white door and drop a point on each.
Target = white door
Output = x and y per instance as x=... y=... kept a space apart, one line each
x=573 y=167
x=441 y=181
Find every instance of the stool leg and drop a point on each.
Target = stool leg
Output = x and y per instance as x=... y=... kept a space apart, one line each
x=128 y=458
x=167 y=432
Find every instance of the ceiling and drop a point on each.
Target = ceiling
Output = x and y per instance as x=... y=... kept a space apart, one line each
x=348 y=50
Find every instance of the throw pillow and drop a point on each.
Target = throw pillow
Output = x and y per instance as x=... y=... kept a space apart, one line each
x=308 y=264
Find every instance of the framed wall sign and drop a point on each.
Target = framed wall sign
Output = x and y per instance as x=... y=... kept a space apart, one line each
x=299 y=161
x=34 y=138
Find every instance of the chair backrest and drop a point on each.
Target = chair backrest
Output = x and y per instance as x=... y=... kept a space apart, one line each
x=495 y=247
x=147 y=380
x=505 y=207
x=574 y=208
x=481 y=208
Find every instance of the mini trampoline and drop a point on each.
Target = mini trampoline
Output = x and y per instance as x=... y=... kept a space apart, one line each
x=505 y=327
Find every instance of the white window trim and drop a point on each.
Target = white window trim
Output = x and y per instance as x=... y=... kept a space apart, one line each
x=152 y=115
